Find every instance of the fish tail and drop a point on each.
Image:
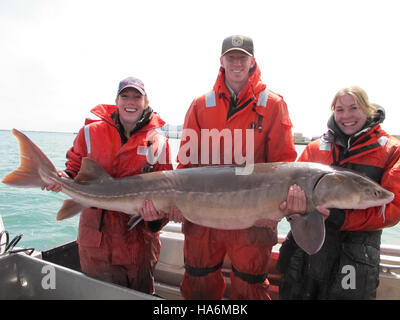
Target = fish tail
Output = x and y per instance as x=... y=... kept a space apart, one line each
x=34 y=165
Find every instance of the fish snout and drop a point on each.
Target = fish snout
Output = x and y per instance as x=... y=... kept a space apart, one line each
x=375 y=198
x=390 y=196
x=383 y=195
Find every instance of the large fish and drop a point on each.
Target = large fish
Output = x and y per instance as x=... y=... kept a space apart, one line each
x=210 y=196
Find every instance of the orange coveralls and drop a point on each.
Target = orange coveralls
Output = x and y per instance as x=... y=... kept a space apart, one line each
x=264 y=115
x=108 y=251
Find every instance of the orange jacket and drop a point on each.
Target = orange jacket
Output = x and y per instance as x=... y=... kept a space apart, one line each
x=101 y=141
x=106 y=148
x=374 y=153
x=264 y=116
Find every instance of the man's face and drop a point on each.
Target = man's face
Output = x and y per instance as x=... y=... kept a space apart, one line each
x=237 y=65
x=130 y=104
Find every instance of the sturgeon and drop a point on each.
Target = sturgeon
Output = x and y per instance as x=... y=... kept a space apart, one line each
x=210 y=196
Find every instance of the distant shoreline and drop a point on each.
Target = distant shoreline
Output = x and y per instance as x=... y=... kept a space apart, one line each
x=176 y=135
x=40 y=131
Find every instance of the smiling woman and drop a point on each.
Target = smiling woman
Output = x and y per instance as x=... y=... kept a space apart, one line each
x=354 y=140
x=131 y=103
x=352 y=109
x=120 y=144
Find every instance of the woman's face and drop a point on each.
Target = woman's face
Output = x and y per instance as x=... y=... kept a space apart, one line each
x=348 y=115
x=130 y=104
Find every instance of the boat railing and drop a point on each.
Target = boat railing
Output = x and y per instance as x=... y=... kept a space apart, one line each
x=390 y=254
x=170 y=267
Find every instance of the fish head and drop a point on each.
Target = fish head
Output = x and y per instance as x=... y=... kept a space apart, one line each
x=344 y=189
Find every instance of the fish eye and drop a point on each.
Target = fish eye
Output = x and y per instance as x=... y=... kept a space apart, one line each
x=377 y=193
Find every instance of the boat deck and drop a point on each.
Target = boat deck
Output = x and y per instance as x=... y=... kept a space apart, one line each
x=26 y=277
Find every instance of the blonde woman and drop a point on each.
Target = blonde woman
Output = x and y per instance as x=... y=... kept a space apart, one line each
x=347 y=266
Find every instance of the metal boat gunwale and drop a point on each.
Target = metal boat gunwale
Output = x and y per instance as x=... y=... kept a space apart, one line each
x=170 y=268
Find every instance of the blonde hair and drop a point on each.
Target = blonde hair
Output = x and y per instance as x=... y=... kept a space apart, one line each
x=146 y=101
x=361 y=99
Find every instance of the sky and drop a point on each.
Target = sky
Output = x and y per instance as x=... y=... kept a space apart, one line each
x=59 y=59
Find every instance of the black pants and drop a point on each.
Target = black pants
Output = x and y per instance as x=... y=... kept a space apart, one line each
x=346 y=267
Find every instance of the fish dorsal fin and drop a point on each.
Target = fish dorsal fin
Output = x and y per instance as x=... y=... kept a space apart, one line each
x=90 y=171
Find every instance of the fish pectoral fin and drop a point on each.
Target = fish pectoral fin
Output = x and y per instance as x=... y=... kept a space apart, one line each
x=308 y=230
x=69 y=209
x=91 y=171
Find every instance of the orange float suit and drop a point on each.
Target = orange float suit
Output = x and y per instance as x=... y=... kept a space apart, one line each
x=108 y=251
x=353 y=237
x=260 y=117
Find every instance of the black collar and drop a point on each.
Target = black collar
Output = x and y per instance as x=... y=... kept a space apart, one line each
x=146 y=117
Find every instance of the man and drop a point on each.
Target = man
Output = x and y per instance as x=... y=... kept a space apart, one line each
x=256 y=127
